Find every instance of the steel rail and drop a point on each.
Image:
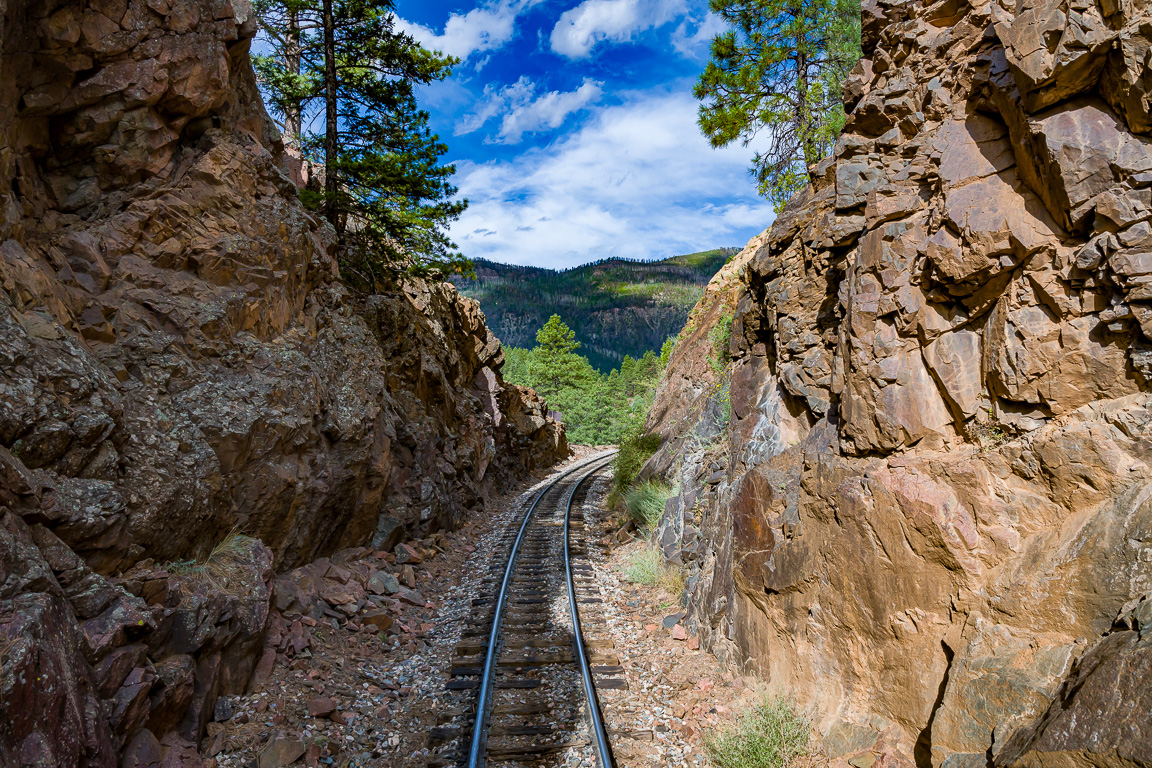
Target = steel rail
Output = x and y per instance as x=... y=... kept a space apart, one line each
x=599 y=732
x=476 y=749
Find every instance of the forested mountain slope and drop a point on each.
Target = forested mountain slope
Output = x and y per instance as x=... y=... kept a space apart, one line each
x=616 y=307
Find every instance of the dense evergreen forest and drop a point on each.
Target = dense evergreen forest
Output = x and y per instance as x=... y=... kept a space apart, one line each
x=616 y=307
x=596 y=408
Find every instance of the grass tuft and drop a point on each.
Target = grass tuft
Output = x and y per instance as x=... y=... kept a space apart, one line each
x=773 y=733
x=226 y=558
x=645 y=503
x=644 y=567
x=647 y=567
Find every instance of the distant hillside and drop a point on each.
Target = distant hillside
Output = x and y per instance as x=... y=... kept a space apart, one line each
x=617 y=307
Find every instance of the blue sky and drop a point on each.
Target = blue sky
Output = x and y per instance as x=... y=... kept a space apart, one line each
x=573 y=129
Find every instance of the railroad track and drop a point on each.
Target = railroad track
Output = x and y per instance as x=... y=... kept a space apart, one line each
x=532 y=651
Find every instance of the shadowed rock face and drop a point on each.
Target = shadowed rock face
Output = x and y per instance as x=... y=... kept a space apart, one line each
x=179 y=360
x=937 y=498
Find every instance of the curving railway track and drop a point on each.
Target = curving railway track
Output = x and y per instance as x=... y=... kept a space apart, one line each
x=532 y=651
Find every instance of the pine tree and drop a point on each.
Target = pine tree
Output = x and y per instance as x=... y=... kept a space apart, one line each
x=779 y=70
x=554 y=364
x=341 y=72
x=287 y=85
x=597 y=409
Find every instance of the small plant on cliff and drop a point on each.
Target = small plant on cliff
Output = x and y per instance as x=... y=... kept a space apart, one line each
x=228 y=556
x=721 y=338
x=645 y=503
x=989 y=436
x=771 y=734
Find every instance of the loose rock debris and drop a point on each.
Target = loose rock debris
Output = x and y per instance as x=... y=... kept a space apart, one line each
x=360 y=650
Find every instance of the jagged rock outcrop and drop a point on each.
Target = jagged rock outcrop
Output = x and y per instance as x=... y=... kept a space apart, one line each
x=933 y=510
x=178 y=360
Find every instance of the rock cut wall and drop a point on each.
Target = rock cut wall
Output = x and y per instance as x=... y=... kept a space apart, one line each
x=932 y=515
x=179 y=361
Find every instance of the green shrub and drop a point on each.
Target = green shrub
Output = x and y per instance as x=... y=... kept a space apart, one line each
x=721 y=338
x=645 y=502
x=635 y=449
x=772 y=734
x=667 y=349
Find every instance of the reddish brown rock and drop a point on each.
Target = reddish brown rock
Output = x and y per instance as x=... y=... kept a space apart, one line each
x=143 y=751
x=321 y=707
x=280 y=750
x=380 y=620
x=178 y=359
x=335 y=593
x=1099 y=715
x=408 y=576
x=172 y=694
x=120 y=238
x=914 y=497
x=406 y=553
x=263 y=671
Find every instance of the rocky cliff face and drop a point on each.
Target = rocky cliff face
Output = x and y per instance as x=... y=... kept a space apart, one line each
x=932 y=516
x=177 y=361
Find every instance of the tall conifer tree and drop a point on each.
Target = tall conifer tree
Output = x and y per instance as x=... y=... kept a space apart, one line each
x=778 y=70
x=340 y=71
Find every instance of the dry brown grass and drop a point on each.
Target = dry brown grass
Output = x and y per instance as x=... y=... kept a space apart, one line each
x=228 y=559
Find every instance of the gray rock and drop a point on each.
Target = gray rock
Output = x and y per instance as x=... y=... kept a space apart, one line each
x=410 y=596
x=383 y=583
x=223 y=710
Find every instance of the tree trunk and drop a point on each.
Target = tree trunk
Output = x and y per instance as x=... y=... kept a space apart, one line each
x=293 y=117
x=803 y=108
x=330 y=118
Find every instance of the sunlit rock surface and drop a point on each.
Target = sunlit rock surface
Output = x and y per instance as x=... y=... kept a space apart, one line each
x=931 y=517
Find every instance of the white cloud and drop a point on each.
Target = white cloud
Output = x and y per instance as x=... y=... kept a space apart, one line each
x=524 y=112
x=580 y=28
x=637 y=181
x=484 y=28
x=692 y=38
x=493 y=102
x=547 y=112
